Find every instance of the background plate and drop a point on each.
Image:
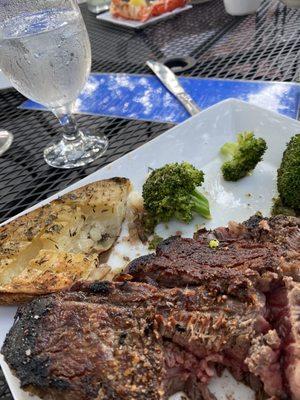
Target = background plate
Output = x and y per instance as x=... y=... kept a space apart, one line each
x=108 y=18
x=198 y=140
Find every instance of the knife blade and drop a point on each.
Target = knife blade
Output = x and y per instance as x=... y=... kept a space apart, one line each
x=171 y=82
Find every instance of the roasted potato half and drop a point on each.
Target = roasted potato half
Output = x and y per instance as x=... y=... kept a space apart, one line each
x=50 y=248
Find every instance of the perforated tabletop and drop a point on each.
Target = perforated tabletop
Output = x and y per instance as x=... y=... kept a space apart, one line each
x=262 y=46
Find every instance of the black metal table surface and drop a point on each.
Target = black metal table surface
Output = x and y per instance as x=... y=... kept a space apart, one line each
x=263 y=46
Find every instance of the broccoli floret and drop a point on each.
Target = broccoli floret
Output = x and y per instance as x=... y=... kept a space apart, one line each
x=288 y=176
x=171 y=191
x=279 y=209
x=155 y=241
x=245 y=154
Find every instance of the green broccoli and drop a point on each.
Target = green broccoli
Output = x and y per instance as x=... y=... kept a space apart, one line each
x=171 y=191
x=279 y=209
x=288 y=175
x=155 y=241
x=245 y=154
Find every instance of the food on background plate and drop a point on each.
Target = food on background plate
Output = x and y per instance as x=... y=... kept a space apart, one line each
x=50 y=248
x=243 y=156
x=172 y=321
x=171 y=192
x=142 y=10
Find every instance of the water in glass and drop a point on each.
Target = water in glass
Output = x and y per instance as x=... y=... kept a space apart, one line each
x=45 y=52
x=46 y=55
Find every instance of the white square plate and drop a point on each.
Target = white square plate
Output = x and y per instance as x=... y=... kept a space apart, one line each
x=127 y=23
x=198 y=141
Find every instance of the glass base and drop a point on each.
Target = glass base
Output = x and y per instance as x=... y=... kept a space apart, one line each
x=76 y=153
x=6 y=139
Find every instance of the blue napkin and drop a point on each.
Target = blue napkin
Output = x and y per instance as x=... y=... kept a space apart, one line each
x=143 y=97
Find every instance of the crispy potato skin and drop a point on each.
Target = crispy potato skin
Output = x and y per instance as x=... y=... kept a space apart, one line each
x=52 y=247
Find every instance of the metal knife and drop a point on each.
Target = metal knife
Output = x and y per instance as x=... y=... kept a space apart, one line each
x=171 y=82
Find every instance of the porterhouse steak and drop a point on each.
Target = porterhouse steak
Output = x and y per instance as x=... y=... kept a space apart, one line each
x=172 y=321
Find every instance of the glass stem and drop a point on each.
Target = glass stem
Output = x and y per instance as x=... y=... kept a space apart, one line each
x=68 y=123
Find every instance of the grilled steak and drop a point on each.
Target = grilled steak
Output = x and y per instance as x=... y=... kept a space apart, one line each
x=281 y=232
x=262 y=250
x=171 y=321
x=131 y=341
x=181 y=261
x=284 y=306
x=264 y=362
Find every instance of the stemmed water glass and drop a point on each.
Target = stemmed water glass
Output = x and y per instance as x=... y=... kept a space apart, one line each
x=45 y=52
